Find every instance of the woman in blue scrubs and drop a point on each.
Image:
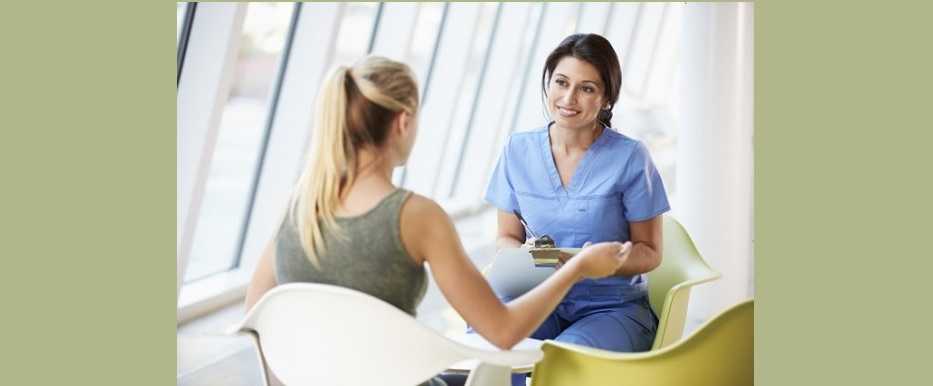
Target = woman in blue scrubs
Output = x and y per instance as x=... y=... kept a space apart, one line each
x=579 y=180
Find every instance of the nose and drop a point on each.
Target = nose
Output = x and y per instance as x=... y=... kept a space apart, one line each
x=569 y=98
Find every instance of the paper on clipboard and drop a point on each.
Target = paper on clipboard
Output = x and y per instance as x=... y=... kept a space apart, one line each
x=513 y=272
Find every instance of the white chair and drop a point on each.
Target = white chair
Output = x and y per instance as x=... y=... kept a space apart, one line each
x=316 y=334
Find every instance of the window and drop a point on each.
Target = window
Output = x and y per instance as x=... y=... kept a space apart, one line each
x=449 y=91
x=355 y=32
x=229 y=185
x=180 y=9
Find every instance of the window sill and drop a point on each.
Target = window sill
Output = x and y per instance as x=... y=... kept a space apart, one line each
x=211 y=293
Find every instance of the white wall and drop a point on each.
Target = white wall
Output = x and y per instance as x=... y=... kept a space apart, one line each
x=715 y=170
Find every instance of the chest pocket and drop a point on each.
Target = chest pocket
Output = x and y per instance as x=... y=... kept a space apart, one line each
x=603 y=218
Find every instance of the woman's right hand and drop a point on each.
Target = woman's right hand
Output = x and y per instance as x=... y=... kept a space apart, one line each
x=601 y=259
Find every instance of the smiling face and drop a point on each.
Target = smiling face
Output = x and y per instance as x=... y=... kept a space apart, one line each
x=575 y=94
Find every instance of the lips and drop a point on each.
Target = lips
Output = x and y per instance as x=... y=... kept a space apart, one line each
x=567 y=113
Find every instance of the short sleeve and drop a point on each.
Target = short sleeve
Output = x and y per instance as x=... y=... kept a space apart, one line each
x=643 y=193
x=500 y=193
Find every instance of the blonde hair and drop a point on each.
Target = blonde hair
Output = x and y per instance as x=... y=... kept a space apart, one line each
x=355 y=108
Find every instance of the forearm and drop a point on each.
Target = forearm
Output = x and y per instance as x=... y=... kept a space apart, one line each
x=643 y=258
x=504 y=241
x=524 y=314
x=253 y=294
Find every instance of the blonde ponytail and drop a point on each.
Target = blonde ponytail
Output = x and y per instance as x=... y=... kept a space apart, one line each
x=331 y=166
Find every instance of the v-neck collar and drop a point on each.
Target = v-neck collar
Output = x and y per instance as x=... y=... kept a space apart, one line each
x=578 y=177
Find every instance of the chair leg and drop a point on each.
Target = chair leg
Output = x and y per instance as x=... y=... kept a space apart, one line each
x=263 y=367
x=489 y=375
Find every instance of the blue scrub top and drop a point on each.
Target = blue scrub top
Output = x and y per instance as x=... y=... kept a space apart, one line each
x=615 y=182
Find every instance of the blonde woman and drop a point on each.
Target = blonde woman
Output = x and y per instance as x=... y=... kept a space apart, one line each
x=348 y=225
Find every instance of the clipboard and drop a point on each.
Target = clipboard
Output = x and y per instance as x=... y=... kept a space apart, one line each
x=513 y=271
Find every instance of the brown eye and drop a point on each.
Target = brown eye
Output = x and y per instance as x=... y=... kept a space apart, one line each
x=589 y=90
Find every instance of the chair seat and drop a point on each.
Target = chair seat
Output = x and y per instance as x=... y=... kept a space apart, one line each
x=477 y=341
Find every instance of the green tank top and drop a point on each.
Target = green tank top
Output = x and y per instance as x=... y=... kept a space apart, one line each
x=369 y=258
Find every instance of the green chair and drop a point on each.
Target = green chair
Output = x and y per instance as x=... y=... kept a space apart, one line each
x=720 y=352
x=682 y=268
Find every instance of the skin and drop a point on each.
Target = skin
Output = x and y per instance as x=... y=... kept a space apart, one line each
x=575 y=96
x=429 y=237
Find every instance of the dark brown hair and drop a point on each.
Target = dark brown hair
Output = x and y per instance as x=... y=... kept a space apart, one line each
x=596 y=50
x=367 y=122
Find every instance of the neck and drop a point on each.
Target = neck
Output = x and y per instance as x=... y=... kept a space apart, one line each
x=567 y=140
x=374 y=165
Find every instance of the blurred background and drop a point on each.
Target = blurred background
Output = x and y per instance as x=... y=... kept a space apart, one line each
x=248 y=74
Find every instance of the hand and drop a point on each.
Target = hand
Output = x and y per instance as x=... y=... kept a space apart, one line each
x=601 y=259
x=564 y=256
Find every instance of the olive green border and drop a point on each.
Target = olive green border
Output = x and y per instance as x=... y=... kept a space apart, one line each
x=841 y=180
x=87 y=143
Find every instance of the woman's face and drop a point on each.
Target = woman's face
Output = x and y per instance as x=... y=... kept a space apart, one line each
x=575 y=94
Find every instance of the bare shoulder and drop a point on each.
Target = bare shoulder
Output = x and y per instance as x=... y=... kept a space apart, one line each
x=422 y=220
x=422 y=211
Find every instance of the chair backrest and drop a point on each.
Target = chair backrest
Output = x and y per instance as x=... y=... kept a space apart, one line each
x=316 y=334
x=682 y=267
x=721 y=352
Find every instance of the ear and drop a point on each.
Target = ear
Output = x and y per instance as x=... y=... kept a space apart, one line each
x=403 y=123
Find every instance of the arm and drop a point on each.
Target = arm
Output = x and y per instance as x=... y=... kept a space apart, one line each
x=646 y=237
x=511 y=233
x=263 y=278
x=429 y=235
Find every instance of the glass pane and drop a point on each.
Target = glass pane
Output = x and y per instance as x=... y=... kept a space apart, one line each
x=642 y=49
x=227 y=193
x=462 y=117
x=493 y=115
x=445 y=94
x=180 y=9
x=423 y=40
x=355 y=30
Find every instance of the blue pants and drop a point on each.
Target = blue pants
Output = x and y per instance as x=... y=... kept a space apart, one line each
x=596 y=316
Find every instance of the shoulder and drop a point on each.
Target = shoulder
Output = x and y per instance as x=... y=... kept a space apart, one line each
x=423 y=222
x=423 y=213
x=525 y=139
x=521 y=144
x=630 y=148
x=618 y=140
